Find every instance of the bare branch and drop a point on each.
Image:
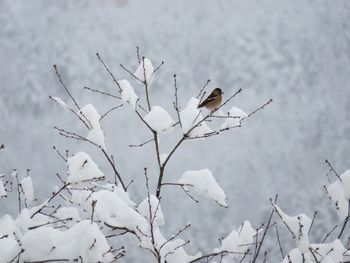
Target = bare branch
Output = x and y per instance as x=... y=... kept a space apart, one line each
x=175 y=236
x=265 y=231
x=345 y=221
x=202 y=89
x=157 y=68
x=64 y=87
x=328 y=234
x=279 y=241
x=333 y=170
x=103 y=93
x=110 y=73
x=59 y=154
x=176 y=103
x=141 y=144
x=312 y=222
x=131 y=74
x=110 y=110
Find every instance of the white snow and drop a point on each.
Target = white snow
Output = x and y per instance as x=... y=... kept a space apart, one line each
x=295 y=256
x=235 y=116
x=64 y=213
x=324 y=252
x=163 y=157
x=147 y=70
x=156 y=210
x=128 y=93
x=84 y=240
x=82 y=168
x=159 y=119
x=60 y=102
x=2 y=189
x=110 y=208
x=339 y=192
x=191 y=116
x=299 y=225
x=333 y=252
x=119 y=191
x=27 y=187
x=204 y=183
x=238 y=241
x=89 y=114
x=96 y=135
x=9 y=248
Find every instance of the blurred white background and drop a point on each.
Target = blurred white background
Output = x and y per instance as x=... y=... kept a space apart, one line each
x=296 y=52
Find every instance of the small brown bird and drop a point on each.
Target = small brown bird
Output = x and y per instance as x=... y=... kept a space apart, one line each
x=213 y=101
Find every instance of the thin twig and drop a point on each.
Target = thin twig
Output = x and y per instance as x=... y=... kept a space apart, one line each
x=328 y=234
x=110 y=110
x=312 y=222
x=141 y=144
x=64 y=87
x=333 y=170
x=110 y=73
x=205 y=85
x=279 y=241
x=345 y=222
x=102 y=92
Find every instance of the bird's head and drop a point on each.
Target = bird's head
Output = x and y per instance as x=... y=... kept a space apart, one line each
x=217 y=92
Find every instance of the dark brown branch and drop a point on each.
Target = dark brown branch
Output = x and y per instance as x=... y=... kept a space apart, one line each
x=110 y=73
x=64 y=87
x=345 y=222
x=312 y=222
x=329 y=233
x=59 y=154
x=205 y=85
x=290 y=230
x=313 y=254
x=110 y=110
x=176 y=103
x=76 y=136
x=74 y=113
x=145 y=83
x=102 y=92
x=176 y=248
x=50 y=199
x=141 y=144
x=132 y=74
x=175 y=236
x=279 y=241
x=157 y=68
x=333 y=170
x=265 y=231
x=224 y=252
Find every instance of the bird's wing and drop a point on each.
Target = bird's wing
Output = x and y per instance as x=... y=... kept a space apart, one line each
x=210 y=98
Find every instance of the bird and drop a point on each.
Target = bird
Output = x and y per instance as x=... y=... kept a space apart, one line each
x=213 y=101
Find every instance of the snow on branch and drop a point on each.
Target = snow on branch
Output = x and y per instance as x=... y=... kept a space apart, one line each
x=159 y=119
x=339 y=192
x=192 y=120
x=203 y=182
x=128 y=93
x=82 y=168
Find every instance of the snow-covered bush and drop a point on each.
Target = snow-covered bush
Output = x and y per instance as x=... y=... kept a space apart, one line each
x=84 y=216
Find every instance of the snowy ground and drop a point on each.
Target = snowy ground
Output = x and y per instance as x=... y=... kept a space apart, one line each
x=296 y=52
